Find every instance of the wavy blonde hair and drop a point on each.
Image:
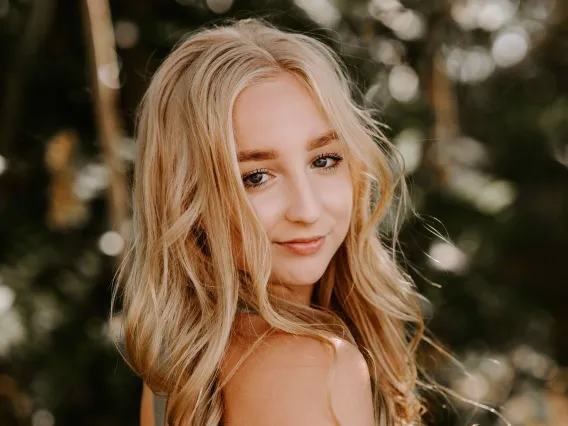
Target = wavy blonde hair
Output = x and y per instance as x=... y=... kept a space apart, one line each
x=181 y=284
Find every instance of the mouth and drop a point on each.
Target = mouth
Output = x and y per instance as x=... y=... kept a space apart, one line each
x=302 y=240
x=303 y=246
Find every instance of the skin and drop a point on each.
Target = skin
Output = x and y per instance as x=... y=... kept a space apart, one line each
x=305 y=191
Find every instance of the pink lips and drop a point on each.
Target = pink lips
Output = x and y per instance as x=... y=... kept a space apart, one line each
x=304 y=247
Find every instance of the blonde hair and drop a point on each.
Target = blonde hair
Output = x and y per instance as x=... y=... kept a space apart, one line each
x=181 y=284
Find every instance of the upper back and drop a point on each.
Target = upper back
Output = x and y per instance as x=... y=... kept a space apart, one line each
x=284 y=382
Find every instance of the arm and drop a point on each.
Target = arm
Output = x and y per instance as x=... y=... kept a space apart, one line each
x=146 y=408
x=283 y=383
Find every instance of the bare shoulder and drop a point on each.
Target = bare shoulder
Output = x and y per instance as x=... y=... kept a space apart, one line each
x=151 y=402
x=284 y=383
x=146 y=408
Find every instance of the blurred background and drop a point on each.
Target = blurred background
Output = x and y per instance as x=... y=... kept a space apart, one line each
x=475 y=94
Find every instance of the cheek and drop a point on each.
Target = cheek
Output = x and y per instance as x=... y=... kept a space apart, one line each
x=268 y=207
x=339 y=201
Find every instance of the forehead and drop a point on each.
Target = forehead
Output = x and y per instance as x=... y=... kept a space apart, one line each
x=276 y=113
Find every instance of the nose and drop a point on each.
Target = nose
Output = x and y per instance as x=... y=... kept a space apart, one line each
x=304 y=204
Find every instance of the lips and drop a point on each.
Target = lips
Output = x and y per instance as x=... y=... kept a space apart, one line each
x=301 y=240
x=304 y=246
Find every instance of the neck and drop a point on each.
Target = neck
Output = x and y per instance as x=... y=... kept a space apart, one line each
x=300 y=294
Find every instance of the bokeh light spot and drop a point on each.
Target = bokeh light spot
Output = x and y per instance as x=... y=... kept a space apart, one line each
x=111 y=243
x=409 y=143
x=4 y=8
x=388 y=52
x=379 y=6
x=403 y=83
x=473 y=386
x=465 y=13
x=494 y=14
x=510 y=47
x=219 y=6
x=7 y=297
x=2 y=164
x=469 y=65
x=408 y=25
x=43 y=418
x=90 y=180
x=496 y=196
x=126 y=34
x=447 y=257
x=321 y=11
x=11 y=330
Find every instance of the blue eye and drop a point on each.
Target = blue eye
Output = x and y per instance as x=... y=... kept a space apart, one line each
x=254 y=178
x=321 y=161
x=256 y=181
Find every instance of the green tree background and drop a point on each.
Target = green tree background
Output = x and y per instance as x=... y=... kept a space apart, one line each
x=475 y=94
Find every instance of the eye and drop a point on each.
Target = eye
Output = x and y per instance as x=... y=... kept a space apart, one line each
x=327 y=161
x=254 y=179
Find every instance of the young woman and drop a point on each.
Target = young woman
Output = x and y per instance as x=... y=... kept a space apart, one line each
x=258 y=289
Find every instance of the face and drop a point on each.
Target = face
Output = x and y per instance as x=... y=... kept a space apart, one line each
x=293 y=168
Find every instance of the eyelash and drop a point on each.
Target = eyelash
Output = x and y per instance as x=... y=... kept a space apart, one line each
x=254 y=172
x=334 y=156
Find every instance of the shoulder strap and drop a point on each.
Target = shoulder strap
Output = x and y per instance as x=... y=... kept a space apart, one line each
x=159 y=399
x=160 y=403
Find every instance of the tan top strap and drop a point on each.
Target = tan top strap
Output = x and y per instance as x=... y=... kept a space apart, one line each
x=160 y=403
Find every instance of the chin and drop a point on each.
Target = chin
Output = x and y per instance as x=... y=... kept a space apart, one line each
x=299 y=275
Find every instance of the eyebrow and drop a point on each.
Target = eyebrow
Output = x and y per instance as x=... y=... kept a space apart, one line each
x=271 y=154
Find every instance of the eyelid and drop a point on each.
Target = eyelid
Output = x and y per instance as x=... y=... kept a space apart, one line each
x=253 y=172
x=335 y=155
